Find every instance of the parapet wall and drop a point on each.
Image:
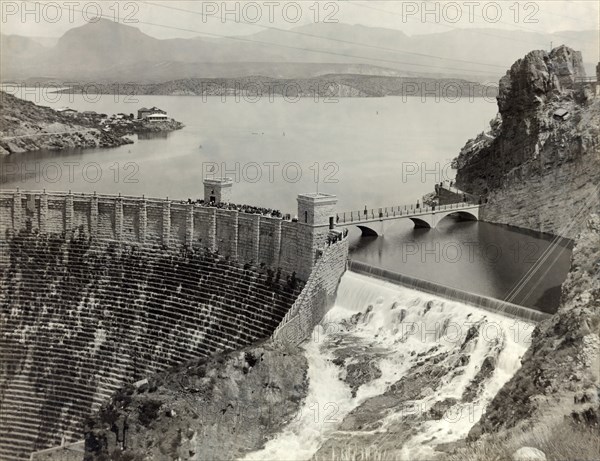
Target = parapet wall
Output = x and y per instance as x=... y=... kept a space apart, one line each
x=246 y=237
x=316 y=298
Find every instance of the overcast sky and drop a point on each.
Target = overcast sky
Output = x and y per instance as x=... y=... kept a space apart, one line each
x=169 y=19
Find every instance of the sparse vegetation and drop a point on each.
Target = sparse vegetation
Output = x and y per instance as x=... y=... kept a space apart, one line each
x=148 y=411
x=562 y=441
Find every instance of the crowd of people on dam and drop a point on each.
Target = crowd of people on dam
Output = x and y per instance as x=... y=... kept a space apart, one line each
x=337 y=236
x=250 y=209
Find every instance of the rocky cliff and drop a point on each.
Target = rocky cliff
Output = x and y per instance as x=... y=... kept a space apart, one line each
x=537 y=170
x=25 y=126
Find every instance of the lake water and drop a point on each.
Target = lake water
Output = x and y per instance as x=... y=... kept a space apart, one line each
x=368 y=151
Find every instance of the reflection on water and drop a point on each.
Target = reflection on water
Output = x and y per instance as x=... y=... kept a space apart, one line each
x=159 y=135
x=483 y=258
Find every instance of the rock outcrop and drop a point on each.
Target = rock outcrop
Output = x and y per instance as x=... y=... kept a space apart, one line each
x=218 y=409
x=560 y=373
x=528 y=454
x=538 y=170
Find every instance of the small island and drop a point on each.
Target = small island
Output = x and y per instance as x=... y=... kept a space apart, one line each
x=25 y=126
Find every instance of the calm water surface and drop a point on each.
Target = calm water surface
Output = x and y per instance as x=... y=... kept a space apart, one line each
x=368 y=151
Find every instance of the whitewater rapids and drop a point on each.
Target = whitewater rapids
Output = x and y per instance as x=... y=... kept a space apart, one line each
x=394 y=373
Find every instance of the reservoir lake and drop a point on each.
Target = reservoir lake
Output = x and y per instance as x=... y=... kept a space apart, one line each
x=374 y=152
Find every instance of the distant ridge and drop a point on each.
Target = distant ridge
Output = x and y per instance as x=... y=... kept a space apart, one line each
x=108 y=51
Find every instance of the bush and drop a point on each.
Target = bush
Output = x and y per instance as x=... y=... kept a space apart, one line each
x=562 y=441
x=148 y=411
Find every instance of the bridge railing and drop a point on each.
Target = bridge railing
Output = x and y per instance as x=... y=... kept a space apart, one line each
x=399 y=211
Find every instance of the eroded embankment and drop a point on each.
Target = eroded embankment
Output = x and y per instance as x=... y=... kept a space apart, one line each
x=215 y=409
x=79 y=319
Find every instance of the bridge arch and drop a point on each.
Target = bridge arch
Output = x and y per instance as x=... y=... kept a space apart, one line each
x=462 y=215
x=368 y=231
x=421 y=223
x=374 y=224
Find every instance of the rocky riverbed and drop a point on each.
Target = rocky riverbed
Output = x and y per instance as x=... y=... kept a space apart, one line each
x=391 y=370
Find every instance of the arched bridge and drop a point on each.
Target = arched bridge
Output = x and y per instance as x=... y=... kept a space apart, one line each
x=374 y=221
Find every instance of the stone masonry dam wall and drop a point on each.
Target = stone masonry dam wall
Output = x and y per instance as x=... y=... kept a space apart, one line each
x=80 y=318
x=317 y=297
x=99 y=291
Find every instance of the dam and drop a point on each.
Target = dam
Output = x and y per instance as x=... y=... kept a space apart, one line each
x=103 y=291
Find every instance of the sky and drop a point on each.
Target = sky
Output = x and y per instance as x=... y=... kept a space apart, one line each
x=185 y=19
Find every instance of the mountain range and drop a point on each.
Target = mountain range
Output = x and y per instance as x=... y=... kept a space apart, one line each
x=105 y=51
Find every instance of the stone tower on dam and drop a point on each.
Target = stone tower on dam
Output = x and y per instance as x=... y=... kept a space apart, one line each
x=316 y=217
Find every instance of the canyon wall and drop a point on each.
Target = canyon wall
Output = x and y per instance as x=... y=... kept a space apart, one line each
x=538 y=170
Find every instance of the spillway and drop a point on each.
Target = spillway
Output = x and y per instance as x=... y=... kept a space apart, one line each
x=395 y=373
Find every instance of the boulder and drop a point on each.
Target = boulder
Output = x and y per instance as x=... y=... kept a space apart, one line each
x=528 y=454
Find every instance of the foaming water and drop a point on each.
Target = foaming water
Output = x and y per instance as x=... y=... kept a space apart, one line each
x=387 y=358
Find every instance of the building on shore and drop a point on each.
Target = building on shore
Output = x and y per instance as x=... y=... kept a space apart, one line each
x=157 y=117
x=145 y=112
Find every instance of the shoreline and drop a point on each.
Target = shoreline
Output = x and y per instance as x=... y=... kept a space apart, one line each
x=29 y=127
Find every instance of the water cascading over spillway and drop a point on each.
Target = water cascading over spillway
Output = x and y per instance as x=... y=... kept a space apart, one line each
x=395 y=373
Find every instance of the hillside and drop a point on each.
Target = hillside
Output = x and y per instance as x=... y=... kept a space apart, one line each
x=25 y=126
x=105 y=51
x=331 y=85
